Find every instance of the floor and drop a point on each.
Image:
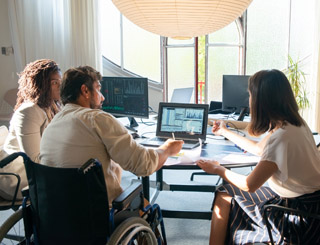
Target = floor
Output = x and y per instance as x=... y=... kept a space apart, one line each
x=184 y=231
x=179 y=231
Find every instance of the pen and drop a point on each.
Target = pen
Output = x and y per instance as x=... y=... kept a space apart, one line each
x=240 y=149
x=173 y=136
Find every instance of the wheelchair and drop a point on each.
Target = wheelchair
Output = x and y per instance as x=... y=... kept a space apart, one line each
x=70 y=206
x=10 y=229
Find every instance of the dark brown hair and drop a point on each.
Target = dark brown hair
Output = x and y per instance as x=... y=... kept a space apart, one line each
x=272 y=102
x=73 y=79
x=34 y=83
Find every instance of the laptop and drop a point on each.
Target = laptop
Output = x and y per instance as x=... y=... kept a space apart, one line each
x=186 y=121
x=181 y=95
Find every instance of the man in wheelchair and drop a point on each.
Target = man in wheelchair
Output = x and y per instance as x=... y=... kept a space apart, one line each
x=70 y=206
x=82 y=131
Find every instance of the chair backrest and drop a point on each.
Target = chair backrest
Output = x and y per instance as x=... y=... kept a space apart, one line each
x=3 y=135
x=69 y=205
x=11 y=97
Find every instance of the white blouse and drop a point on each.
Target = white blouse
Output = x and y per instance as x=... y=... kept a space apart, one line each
x=26 y=127
x=294 y=151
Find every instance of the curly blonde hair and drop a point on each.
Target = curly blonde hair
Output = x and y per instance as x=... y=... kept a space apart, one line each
x=35 y=85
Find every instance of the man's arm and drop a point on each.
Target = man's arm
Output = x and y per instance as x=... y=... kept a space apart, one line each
x=169 y=148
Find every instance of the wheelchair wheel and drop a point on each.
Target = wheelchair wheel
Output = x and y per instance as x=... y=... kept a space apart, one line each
x=134 y=230
x=12 y=230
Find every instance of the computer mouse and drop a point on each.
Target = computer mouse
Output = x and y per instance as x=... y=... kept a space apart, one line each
x=135 y=135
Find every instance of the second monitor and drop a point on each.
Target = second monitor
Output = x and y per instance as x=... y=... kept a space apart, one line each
x=235 y=95
x=126 y=96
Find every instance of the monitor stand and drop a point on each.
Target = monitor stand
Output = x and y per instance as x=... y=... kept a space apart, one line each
x=242 y=113
x=132 y=125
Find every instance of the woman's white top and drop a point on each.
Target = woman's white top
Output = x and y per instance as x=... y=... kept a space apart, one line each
x=26 y=127
x=294 y=151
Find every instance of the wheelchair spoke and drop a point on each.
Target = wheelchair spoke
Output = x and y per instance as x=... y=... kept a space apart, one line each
x=12 y=230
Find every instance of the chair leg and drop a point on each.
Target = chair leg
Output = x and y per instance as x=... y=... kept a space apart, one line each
x=198 y=173
x=265 y=216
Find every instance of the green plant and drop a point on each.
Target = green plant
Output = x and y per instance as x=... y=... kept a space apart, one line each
x=297 y=81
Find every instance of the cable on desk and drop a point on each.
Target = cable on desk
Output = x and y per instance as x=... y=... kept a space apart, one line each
x=150 y=132
x=147 y=123
x=235 y=128
x=152 y=111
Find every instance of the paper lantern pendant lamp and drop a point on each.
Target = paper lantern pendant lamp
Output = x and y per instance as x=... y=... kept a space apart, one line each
x=181 y=19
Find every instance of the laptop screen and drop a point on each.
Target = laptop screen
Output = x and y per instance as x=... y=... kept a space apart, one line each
x=186 y=121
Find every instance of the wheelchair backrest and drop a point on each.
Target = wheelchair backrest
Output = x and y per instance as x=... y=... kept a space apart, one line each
x=69 y=205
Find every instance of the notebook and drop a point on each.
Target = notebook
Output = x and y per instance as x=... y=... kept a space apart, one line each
x=186 y=121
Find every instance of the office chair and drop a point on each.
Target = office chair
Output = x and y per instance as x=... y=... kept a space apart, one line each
x=70 y=206
x=7 y=105
x=287 y=237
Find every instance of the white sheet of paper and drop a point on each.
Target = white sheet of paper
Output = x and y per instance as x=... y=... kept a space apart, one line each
x=238 y=158
x=186 y=156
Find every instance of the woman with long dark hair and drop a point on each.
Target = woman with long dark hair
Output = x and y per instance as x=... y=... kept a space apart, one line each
x=290 y=163
x=38 y=100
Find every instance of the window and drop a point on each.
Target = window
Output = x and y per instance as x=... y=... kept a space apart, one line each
x=223 y=58
x=110 y=33
x=141 y=51
x=180 y=64
x=267 y=35
x=127 y=45
x=273 y=31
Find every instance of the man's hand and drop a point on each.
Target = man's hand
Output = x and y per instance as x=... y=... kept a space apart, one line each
x=169 y=148
x=172 y=147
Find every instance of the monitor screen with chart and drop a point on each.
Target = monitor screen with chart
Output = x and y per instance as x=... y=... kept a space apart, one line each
x=125 y=96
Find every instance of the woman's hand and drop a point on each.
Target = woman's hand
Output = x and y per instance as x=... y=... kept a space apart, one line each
x=218 y=127
x=208 y=166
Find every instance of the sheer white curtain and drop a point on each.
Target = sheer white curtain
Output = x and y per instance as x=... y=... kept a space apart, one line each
x=65 y=31
x=316 y=68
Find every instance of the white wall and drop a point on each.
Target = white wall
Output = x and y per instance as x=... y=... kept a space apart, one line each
x=8 y=73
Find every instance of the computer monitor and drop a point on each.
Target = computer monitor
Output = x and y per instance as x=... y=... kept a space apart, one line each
x=126 y=96
x=235 y=95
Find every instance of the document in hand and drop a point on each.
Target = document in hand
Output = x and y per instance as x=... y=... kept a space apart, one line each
x=186 y=156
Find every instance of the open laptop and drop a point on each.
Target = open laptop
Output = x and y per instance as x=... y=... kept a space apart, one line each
x=186 y=121
x=181 y=95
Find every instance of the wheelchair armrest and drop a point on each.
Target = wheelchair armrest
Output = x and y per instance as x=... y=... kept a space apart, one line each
x=267 y=208
x=25 y=191
x=11 y=157
x=17 y=186
x=127 y=196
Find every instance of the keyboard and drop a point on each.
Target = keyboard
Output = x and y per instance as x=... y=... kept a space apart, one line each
x=157 y=141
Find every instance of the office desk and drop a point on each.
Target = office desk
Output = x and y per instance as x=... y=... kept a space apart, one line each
x=215 y=149
x=212 y=151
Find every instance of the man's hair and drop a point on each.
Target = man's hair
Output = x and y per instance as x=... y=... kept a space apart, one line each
x=272 y=102
x=34 y=83
x=73 y=79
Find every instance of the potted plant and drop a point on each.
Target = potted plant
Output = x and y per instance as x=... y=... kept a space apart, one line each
x=297 y=81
